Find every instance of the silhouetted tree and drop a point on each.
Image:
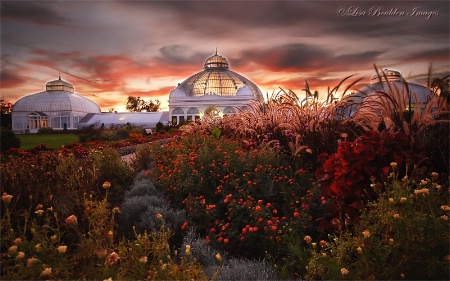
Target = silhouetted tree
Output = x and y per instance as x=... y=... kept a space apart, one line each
x=136 y=104
x=6 y=108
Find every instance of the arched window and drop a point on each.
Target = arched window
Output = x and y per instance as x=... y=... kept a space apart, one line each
x=177 y=111
x=229 y=110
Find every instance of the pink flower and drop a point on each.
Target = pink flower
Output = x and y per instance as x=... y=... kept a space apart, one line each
x=112 y=259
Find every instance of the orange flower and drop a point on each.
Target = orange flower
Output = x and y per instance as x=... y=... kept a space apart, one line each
x=101 y=254
x=6 y=198
x=106 y=185
x=72 y=219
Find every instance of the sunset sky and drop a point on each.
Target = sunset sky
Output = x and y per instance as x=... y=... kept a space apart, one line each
x=112 y=49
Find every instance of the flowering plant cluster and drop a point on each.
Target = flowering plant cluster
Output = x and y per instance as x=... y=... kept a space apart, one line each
x=244 y=201
x=402 y=235
x=48 y=246
x=347 y=174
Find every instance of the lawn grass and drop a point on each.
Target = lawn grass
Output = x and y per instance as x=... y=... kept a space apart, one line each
x=28 y=141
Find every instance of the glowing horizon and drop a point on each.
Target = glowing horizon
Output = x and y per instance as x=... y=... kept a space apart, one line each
x=109 y=50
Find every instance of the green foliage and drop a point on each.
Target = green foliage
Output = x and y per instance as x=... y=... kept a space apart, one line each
x=55 y=141
x=402 y=235
x=46 y=245
x=8 y=140
x=216 y=132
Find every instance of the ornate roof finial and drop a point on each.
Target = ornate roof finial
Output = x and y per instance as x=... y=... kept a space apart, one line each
x=216 y=50
x=59 y=75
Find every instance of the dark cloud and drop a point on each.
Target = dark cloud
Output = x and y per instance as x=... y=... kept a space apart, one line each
x=290 y=57
x=9 y=79
x=181 y=55
x=33 y=12
x=303 y=57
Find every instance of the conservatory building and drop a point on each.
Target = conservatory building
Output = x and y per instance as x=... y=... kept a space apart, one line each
x=215 y=91
x=388 y=80
x=58 y=107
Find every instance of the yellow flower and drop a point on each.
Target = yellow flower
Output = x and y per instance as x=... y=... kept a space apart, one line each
x=396 y=216
x=218 y=257
x=38 y=247
x=359 y=250
x=394 y=165
x=158 y=216
x=39 y=212
x=403 y=199
x=17 y=241
x=188 y=250
x=308 y=239
x=344 y=271
x=391 y=241
x=20 y=255
x=391 y=200
x=62 y=249
x=143 y=259
x=106 y=185
x=46 y=272
x=53 y=237
x=366 y=234
x=6 y=198
x=109 y=279
x=314 y=244
x=444 y=218
x=423 y=182
x=110 y=233
x=445 y=208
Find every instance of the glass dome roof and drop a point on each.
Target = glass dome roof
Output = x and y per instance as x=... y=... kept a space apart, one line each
x=390 y=79
x=216 y=79
x=59 y=96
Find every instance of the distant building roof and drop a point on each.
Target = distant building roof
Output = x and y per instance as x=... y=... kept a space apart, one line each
x=216 y=79
x=143 y=119
x=59 y=96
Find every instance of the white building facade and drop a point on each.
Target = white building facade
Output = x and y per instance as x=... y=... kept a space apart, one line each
x=58 y=107
x=214 y=91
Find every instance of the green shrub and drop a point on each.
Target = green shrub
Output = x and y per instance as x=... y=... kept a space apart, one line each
x=8 y=140
x=402 y=235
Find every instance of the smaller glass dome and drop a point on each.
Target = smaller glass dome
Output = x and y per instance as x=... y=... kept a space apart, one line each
x=389 y=74
x=177 y=93
x=59 y=85
x=216 y=61
x=244 y=91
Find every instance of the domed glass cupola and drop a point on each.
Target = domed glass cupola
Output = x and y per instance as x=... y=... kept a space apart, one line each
x=59 y=85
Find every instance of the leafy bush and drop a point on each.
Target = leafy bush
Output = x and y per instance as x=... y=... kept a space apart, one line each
x=402 y=235
x=239 y=201
x=346 y=175
x=46 y=245
x=8 y=140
